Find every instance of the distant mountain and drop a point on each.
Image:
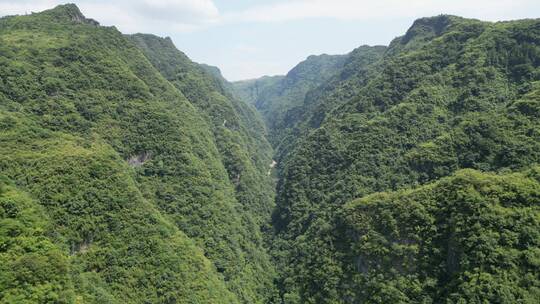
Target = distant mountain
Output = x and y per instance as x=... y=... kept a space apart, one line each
x=275 y=96
x=254 y=89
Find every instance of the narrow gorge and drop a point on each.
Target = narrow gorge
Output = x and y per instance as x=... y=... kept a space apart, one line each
x=406 y=173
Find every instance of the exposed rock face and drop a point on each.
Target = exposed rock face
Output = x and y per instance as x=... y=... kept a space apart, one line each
x=429 y=27
x=75 y=15
x=139 y=160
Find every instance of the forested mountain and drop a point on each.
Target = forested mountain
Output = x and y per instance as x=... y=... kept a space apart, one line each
x=131 y=174
x=142 y=181
x=239 y=137
x=452 y=93
x=253 y=89
x=278 y=97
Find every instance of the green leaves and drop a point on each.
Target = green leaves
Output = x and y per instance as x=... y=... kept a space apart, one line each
x=451 y=94
x=464 y=235
x=80 y=101
x=34 y=268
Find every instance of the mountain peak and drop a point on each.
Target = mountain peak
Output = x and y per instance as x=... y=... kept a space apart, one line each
x=72 y=12
x=429 y=27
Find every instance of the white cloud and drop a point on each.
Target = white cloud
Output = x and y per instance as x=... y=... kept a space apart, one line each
x=380 y=9
x=155 y=16
x=130 y=16
x=173 y=10
x=24 y=6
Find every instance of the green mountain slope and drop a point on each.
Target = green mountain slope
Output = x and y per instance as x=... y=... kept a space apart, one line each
x=138 y=194
x=33 y=266
x=452 y=93
x=360 y=65
x=131 y=174
x=469 y=238
x=298 y=102
x=254 y=89
x=276 y=97
x=84 y=232
x=240 y=140
x=240 y=136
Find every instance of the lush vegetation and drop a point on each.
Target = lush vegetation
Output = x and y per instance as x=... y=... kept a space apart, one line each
x=407 y=173
x=136 y=180
x=84 y=232
x=253 y=89
x=240 y=139
x=280 y=98
x=450 y=94
x=469 y=238
x=32 y=265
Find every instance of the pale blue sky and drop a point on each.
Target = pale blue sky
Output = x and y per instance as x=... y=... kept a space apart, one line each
x=248 y=39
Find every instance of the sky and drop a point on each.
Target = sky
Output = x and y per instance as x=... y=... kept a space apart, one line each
x=251 y=38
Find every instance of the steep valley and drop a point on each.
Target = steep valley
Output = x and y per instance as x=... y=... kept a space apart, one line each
x=406 y=173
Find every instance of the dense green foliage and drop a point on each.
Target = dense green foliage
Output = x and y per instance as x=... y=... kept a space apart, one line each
x=253 y=89
x=33 y=267
x=298 y=102
x=240 y=139
x=470 y=238
x=407 y=173
x=279 y=98
x=89 y=235
x=240 y=136
x=135 y=179
x=452 y=93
